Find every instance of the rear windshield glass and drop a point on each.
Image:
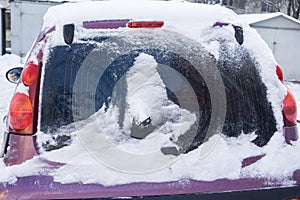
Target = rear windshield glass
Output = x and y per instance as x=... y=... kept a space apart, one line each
x=150 y=90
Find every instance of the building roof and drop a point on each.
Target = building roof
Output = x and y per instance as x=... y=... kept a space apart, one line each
x=255 y=18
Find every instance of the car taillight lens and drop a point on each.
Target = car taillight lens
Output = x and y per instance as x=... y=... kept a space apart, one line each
x=289 y=109
x=145 y=24
x=279 y=73
x=20 y=111
x=23 y=110
x=30 y=74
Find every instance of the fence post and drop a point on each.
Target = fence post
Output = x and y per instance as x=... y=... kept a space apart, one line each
x=3 y=31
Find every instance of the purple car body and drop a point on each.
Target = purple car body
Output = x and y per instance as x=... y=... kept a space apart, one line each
x=23 y=147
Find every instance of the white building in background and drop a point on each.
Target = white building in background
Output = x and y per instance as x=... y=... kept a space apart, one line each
x=282 y=34
x=26 y=22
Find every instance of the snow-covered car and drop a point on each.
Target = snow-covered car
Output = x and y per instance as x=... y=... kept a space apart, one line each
x=149 y=98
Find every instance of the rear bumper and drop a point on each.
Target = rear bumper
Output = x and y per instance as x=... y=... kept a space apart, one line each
x=290 y=133
x=44 y=187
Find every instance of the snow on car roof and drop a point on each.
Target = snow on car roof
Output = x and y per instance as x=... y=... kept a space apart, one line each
x=171 y=12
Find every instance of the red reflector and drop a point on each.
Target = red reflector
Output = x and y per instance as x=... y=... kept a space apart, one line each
x=20 y=111
x=145 y=24
x=289 y=109
x=279 y=73
x=30 y=74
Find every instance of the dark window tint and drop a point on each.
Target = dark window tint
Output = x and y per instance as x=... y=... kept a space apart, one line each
x=248 y=109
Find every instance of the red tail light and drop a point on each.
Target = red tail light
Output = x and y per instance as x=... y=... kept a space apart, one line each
x=30 y=74
x=145 y=24
x=22 y=118
x=279 y=73
x=20 y=111
x=289 y=109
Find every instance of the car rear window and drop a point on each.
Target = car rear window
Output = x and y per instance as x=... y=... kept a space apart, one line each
x=248 y=109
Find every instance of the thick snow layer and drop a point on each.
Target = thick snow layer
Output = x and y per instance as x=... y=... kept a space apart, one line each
x=188 y=18
x=203 y=168
x=195 y=21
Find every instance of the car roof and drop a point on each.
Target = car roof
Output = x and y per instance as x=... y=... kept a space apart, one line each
x=174 y=13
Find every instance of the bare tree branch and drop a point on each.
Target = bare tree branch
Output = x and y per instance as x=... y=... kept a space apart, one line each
x=289 y=8
x=273 y=3
x=295 y=7
x=298 y=5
